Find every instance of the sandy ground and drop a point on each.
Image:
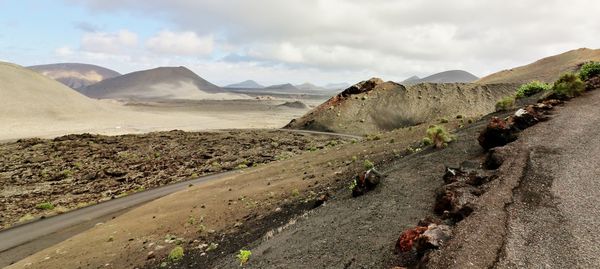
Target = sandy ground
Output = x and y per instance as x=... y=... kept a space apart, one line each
x=115 y=119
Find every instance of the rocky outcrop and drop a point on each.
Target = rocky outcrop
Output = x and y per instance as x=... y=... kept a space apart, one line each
x=373 y=106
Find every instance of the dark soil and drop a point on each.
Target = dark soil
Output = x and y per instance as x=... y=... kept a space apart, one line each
x=77 y=170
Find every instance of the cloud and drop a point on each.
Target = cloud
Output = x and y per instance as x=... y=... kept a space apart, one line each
x=86 y=26
x=393 y=39
x=63 y=51
x=180 y=43
x=113 y=43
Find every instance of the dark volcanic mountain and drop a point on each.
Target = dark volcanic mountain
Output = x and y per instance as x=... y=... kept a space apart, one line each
x=451 y=76
x=287 y=87
x=247 y=84
x=75 y=75
x=158 y=83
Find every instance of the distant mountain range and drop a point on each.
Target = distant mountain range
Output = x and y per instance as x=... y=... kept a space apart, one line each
x=75 y=75
x=249 y=85
x=451 y=76
x=158 y=83
x=246 y=84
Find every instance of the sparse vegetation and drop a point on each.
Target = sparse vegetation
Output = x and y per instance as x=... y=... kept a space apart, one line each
x=531 y=88
x=568 y=86
x=353 y=184
x=438 y=136
x=443 y=120
x=505 y=103
x=427 y=141
x=176 y=254
x=45 y=206
x=368 y=165
x=295 y=193
x=244 y=256
x=589 y=70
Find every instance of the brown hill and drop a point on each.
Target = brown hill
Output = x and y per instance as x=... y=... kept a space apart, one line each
x=75 y=75
x=547 y=69
x=159 y=83
x=372 y=106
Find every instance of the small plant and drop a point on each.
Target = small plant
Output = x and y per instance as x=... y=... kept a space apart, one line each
x=368 y=165
x=176 y=254
x=439 y=136
x=352 y=185
x=45 y=206
x=212 y=246
x=443 y=120
x=427 y=141
x=505 y=103
x=241 y=166
x=531 y=88
x=295 y=193
x=589 y=70
x=244 y=256
x=568 y=86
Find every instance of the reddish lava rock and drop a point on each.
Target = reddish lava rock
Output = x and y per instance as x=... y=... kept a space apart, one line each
x=366 y=182
x=423 y=238
x=407 y=239
x=497 y=133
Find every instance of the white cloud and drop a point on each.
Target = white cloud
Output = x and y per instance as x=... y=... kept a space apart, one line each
x=63 y=51
x=349 y=39
x=180 y=43
x=113 y=43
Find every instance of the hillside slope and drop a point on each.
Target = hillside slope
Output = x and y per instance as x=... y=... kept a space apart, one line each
x=373 y=106
x=27 y=94
x=158 y=83
x=450 y=76
x=75 y=75
x=547 y=69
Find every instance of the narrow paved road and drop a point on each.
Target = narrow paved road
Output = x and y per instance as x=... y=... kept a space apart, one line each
x=555 y=214
x=21 y=241
x=542 y=211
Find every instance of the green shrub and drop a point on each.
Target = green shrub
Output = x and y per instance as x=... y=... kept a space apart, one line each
x=568 y=86
x=45 y=206
x=176 y=254
x=438 y=136
x=427 y=141
x=531 y=88
x=368 y=165
x=244 y=256
x=589 y=70
x=505 y=103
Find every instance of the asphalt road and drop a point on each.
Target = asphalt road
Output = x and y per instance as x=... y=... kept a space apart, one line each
x=23 y=240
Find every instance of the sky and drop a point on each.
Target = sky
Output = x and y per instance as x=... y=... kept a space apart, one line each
x=296 y=41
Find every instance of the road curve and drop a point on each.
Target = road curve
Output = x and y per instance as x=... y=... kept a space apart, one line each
x=23 y=240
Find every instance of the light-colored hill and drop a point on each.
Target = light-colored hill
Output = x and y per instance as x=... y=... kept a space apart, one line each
x=309 y=87
x=373 y=106
x=547 y=69
x=246 y=84
x=158 y=83
x=75 y=75
x=27 y=94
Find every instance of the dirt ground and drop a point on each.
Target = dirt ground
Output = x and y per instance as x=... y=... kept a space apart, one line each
x=238 y=209
x=78 y=170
